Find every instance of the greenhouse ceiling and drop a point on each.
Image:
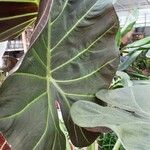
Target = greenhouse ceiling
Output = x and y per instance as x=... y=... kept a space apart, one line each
x=125 y=7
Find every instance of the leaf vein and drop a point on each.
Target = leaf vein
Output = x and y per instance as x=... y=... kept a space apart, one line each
x=86 y=76
x=42 y=136
x=85 y=50
x=74 y=26
x=65 y=4
x=26 y=107
x=40 y=60
x=29 y=75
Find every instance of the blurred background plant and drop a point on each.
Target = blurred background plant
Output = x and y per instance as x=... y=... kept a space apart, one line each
x=134 y=67
x=107 y=141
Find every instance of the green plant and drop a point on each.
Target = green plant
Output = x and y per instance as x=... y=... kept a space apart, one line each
x=135 y=56
x=130 y=126
x=72 y=56
x=133 y=50
x=128 y=26
x=107 y=141
x=127 y=114
x=121 y=79
x=127 y=108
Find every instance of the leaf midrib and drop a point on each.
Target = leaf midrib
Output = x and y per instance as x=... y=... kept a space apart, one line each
x=18 y=16
x=9 y=30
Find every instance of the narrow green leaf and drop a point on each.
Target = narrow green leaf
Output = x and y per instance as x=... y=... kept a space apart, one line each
x=146 y=46
x=139 y=43
x=138 y=75
x=130 y=58
x=127 y=29
x=118 y=38
x=148 y=54
x=130 y=22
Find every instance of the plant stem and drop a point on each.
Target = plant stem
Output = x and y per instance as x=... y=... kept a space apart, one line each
x=117 y=145
x=94 y=146
x=91 y=147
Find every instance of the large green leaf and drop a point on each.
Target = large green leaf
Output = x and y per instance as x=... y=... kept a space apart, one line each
x=74 y=57
x=127 y=114
x=130 y=98
x=15 y=16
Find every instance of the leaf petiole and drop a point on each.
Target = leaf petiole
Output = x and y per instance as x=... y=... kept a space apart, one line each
x=117 y=145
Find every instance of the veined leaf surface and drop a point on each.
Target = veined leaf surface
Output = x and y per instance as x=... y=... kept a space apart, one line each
x=15 y=16
x=127 y=114
x=132 y=130
x=128 y=98
x=74 y=57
